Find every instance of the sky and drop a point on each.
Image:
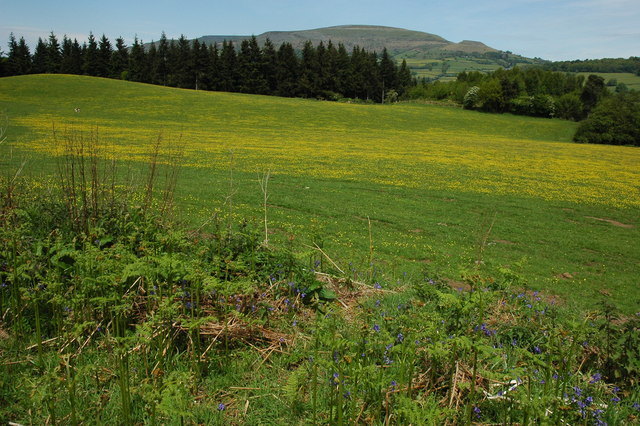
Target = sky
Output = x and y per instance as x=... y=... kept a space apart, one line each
x=548 y=29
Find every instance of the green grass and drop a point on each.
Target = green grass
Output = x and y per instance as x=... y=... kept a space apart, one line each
x=447 y=191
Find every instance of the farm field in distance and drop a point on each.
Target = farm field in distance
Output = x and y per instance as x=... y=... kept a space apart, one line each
x=446 y=191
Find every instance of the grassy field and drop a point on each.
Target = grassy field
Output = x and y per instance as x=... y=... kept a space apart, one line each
x=431 y=190
x=631 y=80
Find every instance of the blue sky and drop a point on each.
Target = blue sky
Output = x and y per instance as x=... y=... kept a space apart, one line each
x=550 y=29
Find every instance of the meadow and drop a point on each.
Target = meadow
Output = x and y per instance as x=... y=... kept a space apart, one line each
x=429 y=179
x=178 y=257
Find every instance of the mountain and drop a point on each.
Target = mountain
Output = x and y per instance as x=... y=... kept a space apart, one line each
x=398 y=41
x=428 y=56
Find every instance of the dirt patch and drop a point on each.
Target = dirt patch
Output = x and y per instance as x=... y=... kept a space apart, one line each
x=612 y=222
x=458 y=285
x=416 y=231
x=565 y=276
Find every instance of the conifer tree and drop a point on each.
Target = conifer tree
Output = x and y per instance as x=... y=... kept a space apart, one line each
x=71 y=57
x=19 y=58
x=40 y=56
x=161 y=66
x=214 y=67
x=287 y=71
x=269 y=67
x=137 y=62
x=151 y=63
x=228 y=68
x=54 y=56
x=120 y=59
x=388 y=73
x=105 y=51
x=404 y=78
x=90 y=57
x=183 y=71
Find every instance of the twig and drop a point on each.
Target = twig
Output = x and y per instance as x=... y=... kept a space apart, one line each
x=315 y=246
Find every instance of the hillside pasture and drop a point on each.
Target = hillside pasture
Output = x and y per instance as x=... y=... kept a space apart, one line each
x=386 y=190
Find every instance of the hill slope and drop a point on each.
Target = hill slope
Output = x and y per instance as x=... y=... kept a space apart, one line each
x=369 y=37
x=426 y=176
x=425 y=53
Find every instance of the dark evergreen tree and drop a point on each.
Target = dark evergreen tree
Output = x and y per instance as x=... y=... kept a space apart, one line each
x=162 y=68
x=184 y=68
x=172 y=66
x=250 y=67
x=214 y=67
x=137 y=62
x=105 y=52
x=151 y=64
x=40 y=57
x=309 y=82
x=404 y=79
x=90 y=57
x=388 y=73
x=19 y=58
x=342 y=71
x=287 y=71
x=201 y=64
x=120 y=60
x=269 y=67
x=54 y=55
x=228 y=68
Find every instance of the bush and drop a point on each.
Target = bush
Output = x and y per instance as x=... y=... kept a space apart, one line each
x=615 y=121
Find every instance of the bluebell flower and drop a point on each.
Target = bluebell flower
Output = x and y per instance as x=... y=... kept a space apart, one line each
x=221 y=407
x=595 y=378
x=376 y=328
x=476 y=411
x=377 y=285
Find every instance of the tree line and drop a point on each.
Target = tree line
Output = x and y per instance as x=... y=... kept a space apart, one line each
x=605 y=65
x=322 y=71
x=604 y=116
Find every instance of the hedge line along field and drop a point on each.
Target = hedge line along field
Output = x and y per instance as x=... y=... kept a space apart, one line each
x=406 y=189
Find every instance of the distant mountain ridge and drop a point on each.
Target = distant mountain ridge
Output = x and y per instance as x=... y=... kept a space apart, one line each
x=398 y=41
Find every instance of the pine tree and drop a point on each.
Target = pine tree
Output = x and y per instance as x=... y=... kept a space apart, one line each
x=54 y=56
x=151 y=64
x=308 y=84
x=404 y=78
x=269 y=67
x=120 y=60
x=18 y=59
x=249 y=64
x=105 y=52
x=343 y=71
x=40 y=56
x=137 y=62
x=163 y=52
x=71 y=57
x=287 y=71
x=214 y=67
x=201 y=65
x=228 y=68
x=90 y=57
x=184 y=74
x=388 y=73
